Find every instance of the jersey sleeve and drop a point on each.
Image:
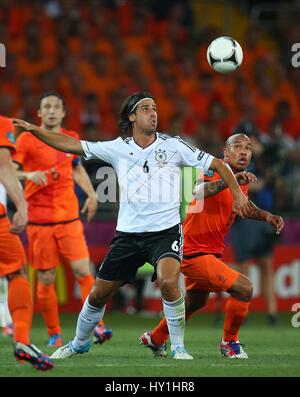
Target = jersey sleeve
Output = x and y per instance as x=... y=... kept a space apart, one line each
x=192 y=156
x=7 y=138
x=99 y=150
x=76 y=159
x=22 y=146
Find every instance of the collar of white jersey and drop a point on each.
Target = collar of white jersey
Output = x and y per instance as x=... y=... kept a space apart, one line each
x=149 y=146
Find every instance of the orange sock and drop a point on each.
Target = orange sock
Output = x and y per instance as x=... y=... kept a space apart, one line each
x=47 y=301
x=235 y=313
x=160 y=334
x=20 y=307
x=86 y=284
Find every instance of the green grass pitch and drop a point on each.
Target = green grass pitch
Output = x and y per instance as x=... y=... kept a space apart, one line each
x=273 y=351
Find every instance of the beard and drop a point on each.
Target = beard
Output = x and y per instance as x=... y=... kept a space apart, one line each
x=148 y=131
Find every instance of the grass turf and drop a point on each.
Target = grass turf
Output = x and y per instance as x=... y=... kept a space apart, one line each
x=272 y=351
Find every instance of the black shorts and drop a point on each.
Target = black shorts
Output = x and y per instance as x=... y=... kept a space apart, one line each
x=252 y=239
x=129 y=251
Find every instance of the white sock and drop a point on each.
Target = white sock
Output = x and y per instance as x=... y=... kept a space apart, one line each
x=7 y=313
x=2 y=315
x=175 y=317
x=88 y=318
x=5 y=318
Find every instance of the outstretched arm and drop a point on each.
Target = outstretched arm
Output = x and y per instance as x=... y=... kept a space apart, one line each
x=240 y=201
x=253 y=212
x=61 y=142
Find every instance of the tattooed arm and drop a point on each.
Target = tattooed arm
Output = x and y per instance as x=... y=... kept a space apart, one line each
x=209 y=189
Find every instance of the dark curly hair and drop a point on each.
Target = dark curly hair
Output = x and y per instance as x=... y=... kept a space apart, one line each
x=128 y=108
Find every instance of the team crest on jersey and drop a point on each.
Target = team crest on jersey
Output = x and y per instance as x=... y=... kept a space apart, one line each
x=160 y=156
x=11 y=137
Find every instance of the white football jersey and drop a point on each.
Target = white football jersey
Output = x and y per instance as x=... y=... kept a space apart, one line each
x=149 y=178
x=3 y=197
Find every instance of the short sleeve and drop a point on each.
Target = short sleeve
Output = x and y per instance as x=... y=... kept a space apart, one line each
x=192 y=156
x=7 y=138
x=22 y=147
x=99 y=150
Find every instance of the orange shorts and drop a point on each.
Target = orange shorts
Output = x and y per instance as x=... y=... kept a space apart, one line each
x=12 y=254
x=206 y=272
x=48 y=245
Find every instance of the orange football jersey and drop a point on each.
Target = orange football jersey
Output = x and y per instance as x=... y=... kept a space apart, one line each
x=204 y=231
x=56 y=201
x=7 y=140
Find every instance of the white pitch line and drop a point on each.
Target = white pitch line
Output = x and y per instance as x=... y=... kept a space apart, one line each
x=250 y=365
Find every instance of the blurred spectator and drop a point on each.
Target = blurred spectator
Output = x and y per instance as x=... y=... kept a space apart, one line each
x=254 y=240
x=90 y=113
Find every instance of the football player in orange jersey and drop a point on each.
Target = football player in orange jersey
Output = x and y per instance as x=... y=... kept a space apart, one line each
x=12 y=255
x=204 y=234
x=54 y=229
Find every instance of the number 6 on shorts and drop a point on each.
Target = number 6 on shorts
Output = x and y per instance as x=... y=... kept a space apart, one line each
x=175 y=246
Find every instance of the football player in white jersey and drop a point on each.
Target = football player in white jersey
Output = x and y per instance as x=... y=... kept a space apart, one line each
x=148 y=166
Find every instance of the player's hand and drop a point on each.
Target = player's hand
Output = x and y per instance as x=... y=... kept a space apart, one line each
x=240 y=204
x=23 y=125
x=37 y=177
x=276 y=221
x=244 y=178
x=19 y=221
x=90 y=206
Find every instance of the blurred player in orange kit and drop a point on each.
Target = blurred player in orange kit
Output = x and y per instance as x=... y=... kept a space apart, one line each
x=54 y=229
x=12 y=255
x=204 y=234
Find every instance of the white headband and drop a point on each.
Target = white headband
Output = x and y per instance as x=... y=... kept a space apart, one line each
x=131 y=111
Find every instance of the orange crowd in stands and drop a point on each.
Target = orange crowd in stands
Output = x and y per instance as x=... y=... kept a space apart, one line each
x=95 y=55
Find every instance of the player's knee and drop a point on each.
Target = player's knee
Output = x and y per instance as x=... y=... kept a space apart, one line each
x=247 y=290
x=46 y=277
x=242 y=289
x=81 y=268
x=82 y=271
x=169 y=288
